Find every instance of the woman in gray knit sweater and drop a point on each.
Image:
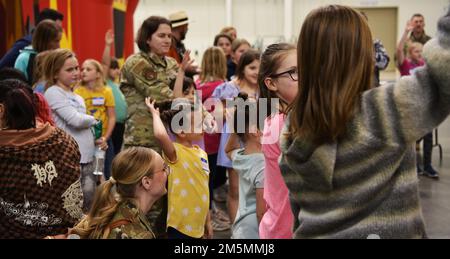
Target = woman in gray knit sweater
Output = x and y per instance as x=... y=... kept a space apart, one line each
x=348 y=154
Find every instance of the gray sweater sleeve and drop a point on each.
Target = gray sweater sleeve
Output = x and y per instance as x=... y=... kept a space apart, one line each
x=60 y=106
x=419 y=103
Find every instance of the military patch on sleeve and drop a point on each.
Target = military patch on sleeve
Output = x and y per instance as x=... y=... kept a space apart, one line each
x=149 y=74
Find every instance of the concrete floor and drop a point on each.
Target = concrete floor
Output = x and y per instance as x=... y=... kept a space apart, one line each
x=435 y=194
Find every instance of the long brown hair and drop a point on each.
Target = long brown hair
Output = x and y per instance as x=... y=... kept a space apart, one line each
x=128 y=169
x=335 y=62
x=271 y=61
x=214 y=65
x=45 y=32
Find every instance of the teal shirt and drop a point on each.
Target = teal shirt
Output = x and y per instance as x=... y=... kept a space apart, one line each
x=250 y=169
x=121 y=104
x=23 y=60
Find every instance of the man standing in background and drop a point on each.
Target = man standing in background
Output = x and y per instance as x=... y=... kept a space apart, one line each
x=180 y=27
x=418 y=35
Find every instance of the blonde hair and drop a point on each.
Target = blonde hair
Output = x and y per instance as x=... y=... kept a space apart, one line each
x=335 y=62
x=53 y=63
x=38 y=71
x=128 y=169
x=227 y=30
x=100 y=82
x=414 y=45
x=237 y=43
x=214 y=65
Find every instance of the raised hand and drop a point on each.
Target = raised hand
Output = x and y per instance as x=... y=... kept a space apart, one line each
x=187 y=61
x=151 y=106
x=409 y=27
x=109 y=37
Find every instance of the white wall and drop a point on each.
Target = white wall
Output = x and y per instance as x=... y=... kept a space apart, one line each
x=431 y=9
x=207 y=18
x=262 y=21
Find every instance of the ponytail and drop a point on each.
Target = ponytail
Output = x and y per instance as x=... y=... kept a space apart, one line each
x=103 y=209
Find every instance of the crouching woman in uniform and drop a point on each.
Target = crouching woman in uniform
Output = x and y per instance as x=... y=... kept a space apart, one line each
x=139 y=177
x=148 y=73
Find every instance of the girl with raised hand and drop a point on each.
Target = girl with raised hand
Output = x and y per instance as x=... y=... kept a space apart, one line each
x=414 y=59
x=188 y=193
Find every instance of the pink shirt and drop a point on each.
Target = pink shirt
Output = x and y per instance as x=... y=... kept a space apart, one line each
x=409 y=66
x=212 y=141
x=278 y=221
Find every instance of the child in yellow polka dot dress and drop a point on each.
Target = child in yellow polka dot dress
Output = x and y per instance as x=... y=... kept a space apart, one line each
x=188 y=191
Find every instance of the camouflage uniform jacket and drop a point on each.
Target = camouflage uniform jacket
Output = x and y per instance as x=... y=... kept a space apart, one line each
x=137 y=227
x=145 y=75
x=422 y=39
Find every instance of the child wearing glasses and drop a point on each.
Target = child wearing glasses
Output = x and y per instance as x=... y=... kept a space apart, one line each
x=188 y=189
x=277 y=81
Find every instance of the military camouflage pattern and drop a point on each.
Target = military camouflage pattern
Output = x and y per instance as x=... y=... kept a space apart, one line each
x=145 y=75
x=139 y=228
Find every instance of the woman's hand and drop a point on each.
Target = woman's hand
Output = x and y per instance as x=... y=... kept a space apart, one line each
x=187 y=61
x=151 y=106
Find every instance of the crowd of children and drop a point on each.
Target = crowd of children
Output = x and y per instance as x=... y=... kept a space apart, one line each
x=331 y=156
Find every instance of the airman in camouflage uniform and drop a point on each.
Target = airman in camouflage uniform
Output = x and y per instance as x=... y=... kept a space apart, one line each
x=131 y=223
x=147 y=75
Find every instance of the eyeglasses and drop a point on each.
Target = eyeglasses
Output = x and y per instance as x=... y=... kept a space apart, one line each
x=166 y=169
x=293 y=74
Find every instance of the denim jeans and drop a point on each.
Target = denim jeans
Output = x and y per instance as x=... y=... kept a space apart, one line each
x=427 y=150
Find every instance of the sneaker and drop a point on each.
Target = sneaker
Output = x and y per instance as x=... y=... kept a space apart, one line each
x=430 y=172
x=419 y=170
x=219 y=226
